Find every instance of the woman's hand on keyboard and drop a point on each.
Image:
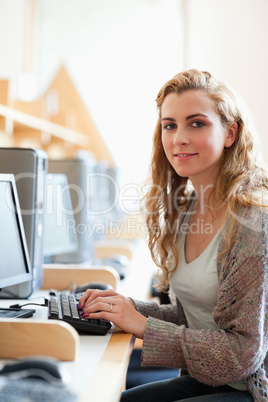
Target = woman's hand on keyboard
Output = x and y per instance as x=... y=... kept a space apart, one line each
x=111 y=306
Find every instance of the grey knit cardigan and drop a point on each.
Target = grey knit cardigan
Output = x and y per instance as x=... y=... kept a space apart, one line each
x=238 y=349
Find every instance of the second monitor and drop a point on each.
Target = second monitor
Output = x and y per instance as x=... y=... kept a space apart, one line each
x=60 y=235
x=77 y=171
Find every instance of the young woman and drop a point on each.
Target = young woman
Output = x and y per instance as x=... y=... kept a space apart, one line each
x=207 y=224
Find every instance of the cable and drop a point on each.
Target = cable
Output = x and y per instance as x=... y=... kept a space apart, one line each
x=70 y=285
x=29 y=304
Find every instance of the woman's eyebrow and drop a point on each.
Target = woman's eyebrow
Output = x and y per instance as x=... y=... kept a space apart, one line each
x=191 y=116
x=167 y=118
x=195 y=115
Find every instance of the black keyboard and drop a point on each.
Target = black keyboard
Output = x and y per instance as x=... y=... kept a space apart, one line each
x=63 y=305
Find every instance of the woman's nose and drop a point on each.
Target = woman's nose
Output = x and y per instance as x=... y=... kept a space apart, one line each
x=180 y=138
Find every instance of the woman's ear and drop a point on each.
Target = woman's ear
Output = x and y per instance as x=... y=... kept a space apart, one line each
x=231 y=135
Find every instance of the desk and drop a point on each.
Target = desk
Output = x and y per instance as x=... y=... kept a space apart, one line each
x=101 y=363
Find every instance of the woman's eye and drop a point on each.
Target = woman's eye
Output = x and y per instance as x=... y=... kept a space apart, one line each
x=169 y=126
x=197 y=124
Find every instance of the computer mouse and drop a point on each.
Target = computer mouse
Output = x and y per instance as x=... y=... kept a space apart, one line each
x=93 y=285
x=39 y=369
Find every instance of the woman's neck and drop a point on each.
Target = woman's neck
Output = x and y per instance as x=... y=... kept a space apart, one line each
x=207 y=201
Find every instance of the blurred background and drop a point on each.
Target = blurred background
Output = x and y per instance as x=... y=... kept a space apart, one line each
x=117 y=54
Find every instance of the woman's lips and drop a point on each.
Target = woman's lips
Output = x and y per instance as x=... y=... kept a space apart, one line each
x=184 y=156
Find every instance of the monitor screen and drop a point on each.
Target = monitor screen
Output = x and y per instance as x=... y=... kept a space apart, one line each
x=14 y=260
x=60 y=235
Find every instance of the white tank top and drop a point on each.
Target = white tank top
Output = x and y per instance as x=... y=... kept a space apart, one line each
x=196 y=284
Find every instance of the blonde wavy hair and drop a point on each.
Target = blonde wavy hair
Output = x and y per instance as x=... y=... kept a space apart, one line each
x=240 y=179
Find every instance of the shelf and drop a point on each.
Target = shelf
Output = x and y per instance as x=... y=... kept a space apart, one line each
x=46 y=126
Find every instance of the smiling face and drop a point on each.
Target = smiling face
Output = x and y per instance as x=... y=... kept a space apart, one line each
x=193 y=136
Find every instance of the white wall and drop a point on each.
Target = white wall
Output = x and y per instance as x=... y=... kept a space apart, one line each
x=12 y=14
x=118 y=53
x=230 y=39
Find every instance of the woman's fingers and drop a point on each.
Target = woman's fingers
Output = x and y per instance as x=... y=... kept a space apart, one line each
x=91 y=294
x=104 y=308
x=99 y=307
x=99 y=304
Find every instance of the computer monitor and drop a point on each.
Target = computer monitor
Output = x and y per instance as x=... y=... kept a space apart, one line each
x=60 y=235
x=77 y=172
x=29 y=167
x=14 y=259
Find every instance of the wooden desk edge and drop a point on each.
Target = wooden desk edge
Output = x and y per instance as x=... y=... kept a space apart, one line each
x=109 y=377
